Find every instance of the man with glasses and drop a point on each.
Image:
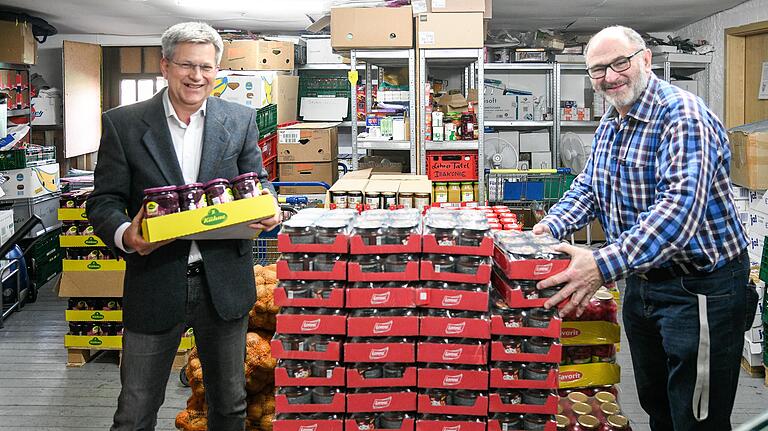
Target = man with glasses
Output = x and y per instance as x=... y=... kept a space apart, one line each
x=658 y=181
x=179 y=136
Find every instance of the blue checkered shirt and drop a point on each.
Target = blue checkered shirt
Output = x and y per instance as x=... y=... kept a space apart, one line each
x=658 y=181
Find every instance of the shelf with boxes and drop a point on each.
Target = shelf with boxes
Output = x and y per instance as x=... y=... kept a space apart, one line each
x=677 y=69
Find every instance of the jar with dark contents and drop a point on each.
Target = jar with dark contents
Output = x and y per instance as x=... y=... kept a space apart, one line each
x=537 y=397
x=512 y=318
x=339 y=198
x=373 y=200
x=392 y=420
x=296 y=261
x=535 y=422
x=112 y=305
x=323 y=394
x=539 y=317
x=191 y=196
x=324 y=262
x=536 y=371
x=69 y=228
x=508 y=421
x=364 y=421
x=218 y=191
x=78 y=304
x=370 y=232
x=388 y=200
x=537 y=345
x=393 y=370
x=528 y=288
x=617 y=423
x=563 y=423
x=510 y=396
x=160 y=201
x=581 y=409
x=439 y=397
x=443 y=228
x=354 y=198
x=323 y=369
x=512 y=345
x=549 y=291
x=397 y=262
x=368 y=262
x=296 y=394
x=328 y=230
x=578 y=355
x=319 y=343
x=292 y=343
x=296 y=369
x=510 y=371
x=587 y=423
x=246 y=185
x=473 y=233
x=609 y=409
x=469 y=264
x=442 y=262
x=604 y=353
x=399 y=231
x=369 y=370
x=405 y=199
x=323 y=289
x=300 y=230
x=464 y=398
x=605 y=397
x=295 y=289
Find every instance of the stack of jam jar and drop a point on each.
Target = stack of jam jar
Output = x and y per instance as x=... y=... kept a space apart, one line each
x=95 y=327
x=525 y=347
x=454 y=326
x=311 y=325
x=591 y=411
x=382 y=323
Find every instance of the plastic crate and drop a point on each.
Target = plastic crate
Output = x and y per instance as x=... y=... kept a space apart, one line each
x=270 y=165
x=268 y=147
x=13 y=159
x=266 y=119
x=41 y=274
x=324 y=83
x=20 y=159
x=452 y=165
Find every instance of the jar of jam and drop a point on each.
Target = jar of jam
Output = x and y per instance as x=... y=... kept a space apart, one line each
x=405 y=199
x=473 y=233
x=369 y=370
x=388 y=200
x=609 y=409
x=454 y=192
x=510 y=396
x=371 y=232
x=604 y=353
x=509 y=370
x=537 y=345
x=323 y=289
x=512 y=317
x=339 y=198
x=296 y=369
x=397 y=262
x=549 y=291
x=536 y=371
x=464 y=398
x=508 y=421
x=323 y=394
x=327 y=230
x=442 y=262
x=512 y=345
x=469 y=264
x=399 y=231
x=441 y=192
x=467 y=192
x=354 y=199
x=160 y=201
x=296 y=261
x=562 y=422
x=373 y=200
x=368 y=262
x=299 y=229
x=218 y=191
x=577 y=397
x=534 y=422
x=578 y=354
x=587 y=423
x=364 y=421
x=296 y=395
x=393 y=370
x=539 y=317
x=246 y=185
x=439 y=397
x=324 y=262
x=421 y=200
x=392 y=420
x=537 y=397
x=617 y=423
x=191 y=196
x=323 y=369
x=319 y=343
x=605 y=397
x=581 y=409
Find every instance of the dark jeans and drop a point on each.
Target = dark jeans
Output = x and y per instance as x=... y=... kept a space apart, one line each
x=686 y=335
x=147 y=360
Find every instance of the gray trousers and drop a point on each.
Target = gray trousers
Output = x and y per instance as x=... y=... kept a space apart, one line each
x=147 y=360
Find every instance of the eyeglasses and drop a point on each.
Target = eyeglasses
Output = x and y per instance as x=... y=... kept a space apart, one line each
x=189 y=67
x=619 y=65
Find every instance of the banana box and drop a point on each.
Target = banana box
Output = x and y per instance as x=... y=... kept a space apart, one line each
x=31 y=182
x=222 y=221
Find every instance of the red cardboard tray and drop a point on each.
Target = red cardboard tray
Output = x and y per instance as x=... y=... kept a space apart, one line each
x=311 y=324
x=498 y=354
x=411 y=273
x=382 y=402
x=339 y=246
x=534 y=269
x=384 y=297
x=483 y=275
x=494 y=425
x=497 y=381
x=513 y=297
x=426 y=425
x=380 y=352
x=408 y=425
x=336 y=300
x=339 y=272
x=479 y=409
x=355 y=380
x=453 y=379
x=548 y=408
x=308 y=425
x=386 y=326
x=430 y=245
x=333 y=353
x=552 y=331
x=412 y=246
x=453 y=299
x=338 y=405
x=336 y=379
x=468 y=354
x=454 y=327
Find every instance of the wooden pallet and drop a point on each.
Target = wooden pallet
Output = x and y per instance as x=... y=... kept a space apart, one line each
x=78 y=357
x=758 y=371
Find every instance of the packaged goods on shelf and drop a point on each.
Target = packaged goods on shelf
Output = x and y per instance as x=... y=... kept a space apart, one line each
x=524 y=256
x=457 y=233
x=314 y=230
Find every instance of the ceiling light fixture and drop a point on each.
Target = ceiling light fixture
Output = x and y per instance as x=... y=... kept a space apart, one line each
x=264 y=7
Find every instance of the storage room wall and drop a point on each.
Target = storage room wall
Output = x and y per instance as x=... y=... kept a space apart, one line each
x=713 y=30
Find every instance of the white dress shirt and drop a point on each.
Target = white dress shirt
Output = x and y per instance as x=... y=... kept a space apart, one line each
x=188 y=144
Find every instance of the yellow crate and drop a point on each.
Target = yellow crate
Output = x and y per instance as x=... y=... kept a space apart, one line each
x=589 y=333
x=80 y=241
x=69 y=214
x=589 y=375
x=111 y=342
x=94 y=315
x=70 y=265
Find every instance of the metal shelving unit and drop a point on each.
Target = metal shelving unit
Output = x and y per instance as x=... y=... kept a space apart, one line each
x=381 y=59
x=472 y=61
x=686 y=64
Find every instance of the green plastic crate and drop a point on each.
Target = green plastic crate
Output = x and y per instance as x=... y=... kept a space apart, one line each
x=266 y=119
x=13 y=159
x=42 y=273
x=764 y=264
x=556 y=186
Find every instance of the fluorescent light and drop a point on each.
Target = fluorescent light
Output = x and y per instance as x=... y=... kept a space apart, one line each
x=267 y=8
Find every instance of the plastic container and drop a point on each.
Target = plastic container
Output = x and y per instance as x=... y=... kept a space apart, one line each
x=160 y=201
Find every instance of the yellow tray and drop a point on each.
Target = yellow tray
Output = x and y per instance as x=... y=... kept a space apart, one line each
x=94 y=315
x=589 y=375
x=92 y=265
x=80 y=241
x=111 y=342
x=589 y=333
x=72 y=214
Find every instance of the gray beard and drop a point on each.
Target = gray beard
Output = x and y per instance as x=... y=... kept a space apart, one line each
x=628 y=100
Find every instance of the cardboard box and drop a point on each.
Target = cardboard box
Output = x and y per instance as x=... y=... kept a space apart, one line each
x=452 y=103
x=320 y=51
x=596 y=232
x=221 y=221
x=17 y=44
x=752 y=353
x=755 y=334
x=541 y=160
x=324 y=108
x=379 y=164
x=257 y=55
x=108 y=284
x=327 y=172
x=534 y=142
x=372 y=27
x=308 y=142
x=438 y=6
x=449 y=30
x=689 y=85
x=46 y=111
x=6 y=225
x=749 y=155
x=31 y=182
x=258 y=89
x=500 y=106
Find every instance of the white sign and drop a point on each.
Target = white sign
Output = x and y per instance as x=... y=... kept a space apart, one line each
x=763 y=91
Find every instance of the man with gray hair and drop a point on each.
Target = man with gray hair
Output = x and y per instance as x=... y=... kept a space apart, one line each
x=179 y=136
x=658 y=181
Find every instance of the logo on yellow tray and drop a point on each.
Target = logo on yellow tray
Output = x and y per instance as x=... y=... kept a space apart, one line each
x=97 y=316
x=214 y=217
x=95 y=341
x=94 y=265
x=91 y=241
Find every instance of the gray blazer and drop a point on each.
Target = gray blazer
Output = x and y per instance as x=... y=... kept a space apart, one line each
x=137 y=153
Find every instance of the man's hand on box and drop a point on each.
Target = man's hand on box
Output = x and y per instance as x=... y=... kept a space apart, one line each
x=133 y=240
x=581 y=279
x=541 y=229
x=272 y=222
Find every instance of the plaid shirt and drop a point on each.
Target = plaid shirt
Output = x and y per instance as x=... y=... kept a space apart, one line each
x=658 y=181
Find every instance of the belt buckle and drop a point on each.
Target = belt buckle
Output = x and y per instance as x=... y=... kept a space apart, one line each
x=194 y=268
